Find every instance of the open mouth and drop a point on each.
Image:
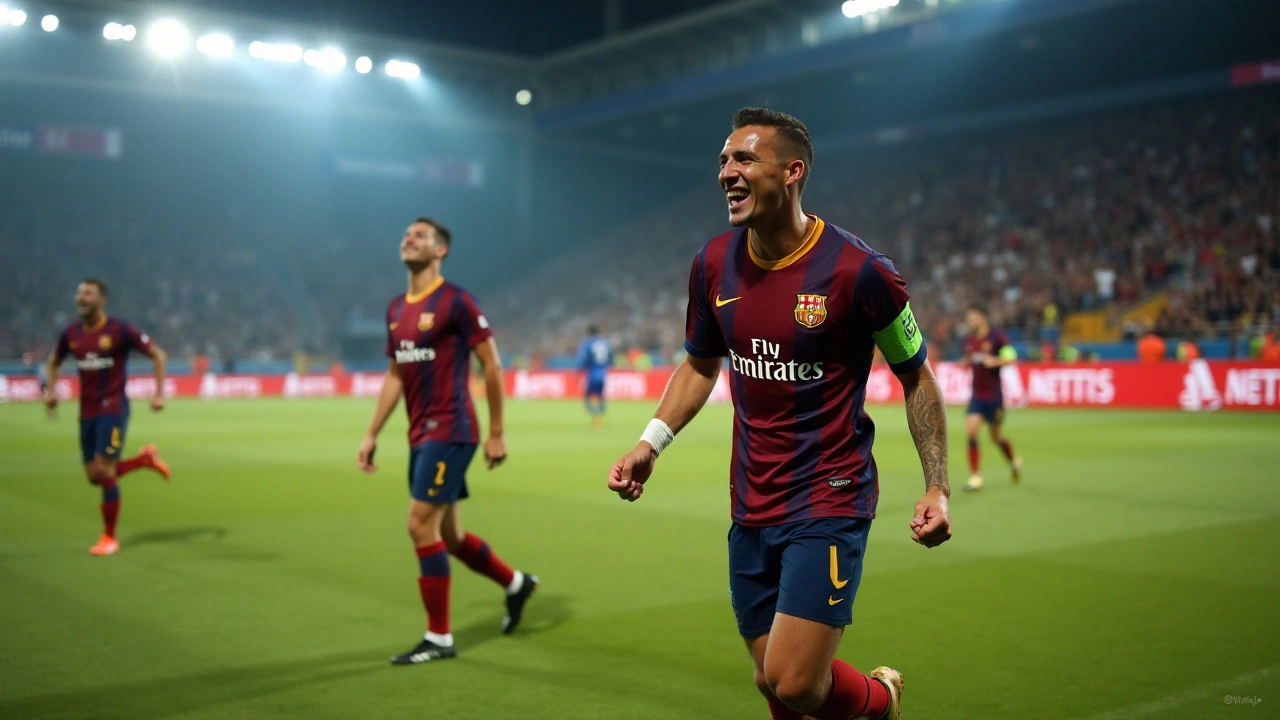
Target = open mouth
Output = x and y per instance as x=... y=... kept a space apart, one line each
x=737 y=198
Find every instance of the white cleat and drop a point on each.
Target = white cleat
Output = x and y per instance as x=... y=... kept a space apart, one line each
x=892 y=680
x=975 y=483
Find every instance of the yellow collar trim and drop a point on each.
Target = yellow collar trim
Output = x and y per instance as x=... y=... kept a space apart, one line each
x=101 y=324
x=435 y=285
x=809 y=241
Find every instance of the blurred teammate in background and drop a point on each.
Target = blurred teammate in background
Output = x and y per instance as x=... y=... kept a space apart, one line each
x=798 y=306
x=986 y=350
x=595 y=357
x=432 y=331
x=101 y=348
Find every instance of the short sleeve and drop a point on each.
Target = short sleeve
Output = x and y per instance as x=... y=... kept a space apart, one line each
x=882 y=294
x=137 y=339
x=702 y=335
x=472 y=325
x=391 y=342
x=63 y=348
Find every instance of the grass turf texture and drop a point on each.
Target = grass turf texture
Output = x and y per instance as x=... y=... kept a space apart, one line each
x=1133 y=574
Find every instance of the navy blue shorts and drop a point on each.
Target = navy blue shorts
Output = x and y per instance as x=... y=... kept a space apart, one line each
x=102 y=435
x=991 y=410
x=595 y=387
x=438 y=471
x=809 y=569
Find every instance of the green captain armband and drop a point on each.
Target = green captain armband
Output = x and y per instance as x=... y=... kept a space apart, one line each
x=901 y=341
x=1008 y=354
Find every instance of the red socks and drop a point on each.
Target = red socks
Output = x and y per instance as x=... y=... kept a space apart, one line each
x=1007 y=448
x=433 y=562
x=110 y=506
x=477 y=555
x=779 y=711
x=853 y=695
x=124 y=467
x=973 y=456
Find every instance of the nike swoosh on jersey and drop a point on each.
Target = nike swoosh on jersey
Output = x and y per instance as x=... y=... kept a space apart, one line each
x=833 y=601
x=394 y=325
x=722 y=303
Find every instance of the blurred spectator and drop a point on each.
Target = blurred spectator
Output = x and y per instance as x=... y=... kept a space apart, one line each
x=1152 y=348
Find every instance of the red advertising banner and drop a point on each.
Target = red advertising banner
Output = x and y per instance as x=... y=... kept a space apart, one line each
x=1255 y=73
x=1199 y=385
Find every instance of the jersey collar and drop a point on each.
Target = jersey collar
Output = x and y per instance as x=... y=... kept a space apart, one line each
x=101 y=324
x=809 y=241
x=435 y=285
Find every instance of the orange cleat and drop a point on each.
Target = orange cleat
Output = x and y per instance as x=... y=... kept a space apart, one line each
x=107 y=545
x=151 y=459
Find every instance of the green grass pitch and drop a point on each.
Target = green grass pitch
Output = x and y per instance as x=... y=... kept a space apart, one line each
x=1135 y=573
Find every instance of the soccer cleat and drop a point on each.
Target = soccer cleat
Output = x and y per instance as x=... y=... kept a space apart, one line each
x=975 y=483
x=424 y=651
x=107 y=545
x=151 y=459
x=1016 y=464
x=892 y=680
x=515 y=603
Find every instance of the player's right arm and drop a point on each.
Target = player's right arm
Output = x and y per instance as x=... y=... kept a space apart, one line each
x=392 y=387
x=687 y=391
x=51 y=370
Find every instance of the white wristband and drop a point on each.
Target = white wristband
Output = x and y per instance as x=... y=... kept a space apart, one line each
x=659 y=435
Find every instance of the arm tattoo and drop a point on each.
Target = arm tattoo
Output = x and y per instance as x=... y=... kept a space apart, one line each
x=927 y=418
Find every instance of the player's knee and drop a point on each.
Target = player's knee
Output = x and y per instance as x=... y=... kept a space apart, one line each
x=419 y=530
x=95 y=472
x=796 y=691
x=762 y=683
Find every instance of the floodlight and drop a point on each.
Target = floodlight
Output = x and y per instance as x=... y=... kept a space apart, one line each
x=17 y=18
x=363 y=65
x=401 y=69
x=329 y=60
x=858 y=8
x=49 y=23
x=216 y=45
x=275 y=52
x=524 y=97
x=168 y=38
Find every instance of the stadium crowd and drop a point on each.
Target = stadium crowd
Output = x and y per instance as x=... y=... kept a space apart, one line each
x=1036 y=221
x=1086 y=213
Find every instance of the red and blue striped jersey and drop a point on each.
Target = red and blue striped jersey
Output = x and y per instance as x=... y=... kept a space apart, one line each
x=102 y=355
x=986 y=381
x=800 y=334
x=430 y=336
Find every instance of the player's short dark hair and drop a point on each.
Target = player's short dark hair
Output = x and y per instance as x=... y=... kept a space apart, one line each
x=981 y=309
x=593 y=330
x=792 y=132
x=102 y=287
x=442 y=232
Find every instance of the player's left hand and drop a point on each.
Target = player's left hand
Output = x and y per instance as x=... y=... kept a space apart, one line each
x=990 y=361
x=495 y=451
x=931 y=526
x=157 y=403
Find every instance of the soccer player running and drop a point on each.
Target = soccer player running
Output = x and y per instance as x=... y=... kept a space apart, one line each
x=101 y=348
x=595 y=356
x=986 y=350
x=798 y=305
x=432 y=330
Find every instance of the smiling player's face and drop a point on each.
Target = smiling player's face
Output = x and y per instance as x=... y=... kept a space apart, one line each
x=754 y=176
x=89 y=300
x=420 y=246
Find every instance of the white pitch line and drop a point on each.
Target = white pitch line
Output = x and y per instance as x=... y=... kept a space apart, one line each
x=1174 y=702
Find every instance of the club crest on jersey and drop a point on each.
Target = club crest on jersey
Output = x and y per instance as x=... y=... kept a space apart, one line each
x=426 y=320
x=811 y=310
x=104 y=342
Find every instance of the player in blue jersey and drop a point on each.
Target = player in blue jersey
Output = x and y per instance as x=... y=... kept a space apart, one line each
x=595 y=356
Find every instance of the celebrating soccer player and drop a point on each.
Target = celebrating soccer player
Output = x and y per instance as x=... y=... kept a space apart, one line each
x=432 y=330
x=798 y=305
x=101 y=348
x=595 y=356
x=986 y=350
